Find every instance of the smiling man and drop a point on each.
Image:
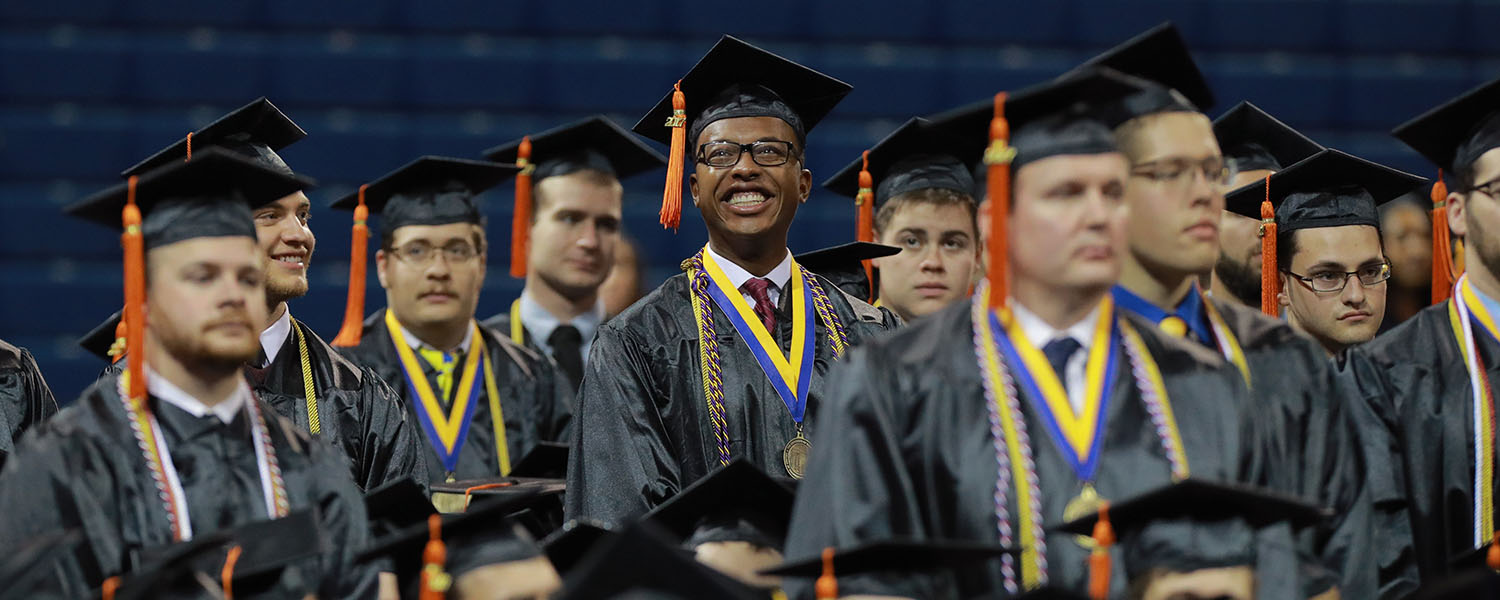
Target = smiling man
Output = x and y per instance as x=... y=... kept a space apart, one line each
x=482 y=401
x=572 y=237
x=923 y=204
x=727 y=360
x=299 y=374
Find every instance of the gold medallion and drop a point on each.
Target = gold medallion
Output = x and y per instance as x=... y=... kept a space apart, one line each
x=794 y=455
x=1086 y=503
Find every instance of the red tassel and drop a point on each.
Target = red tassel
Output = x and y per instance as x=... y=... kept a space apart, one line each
x=1099 y=563
x=998 y=157
x=1443 y=273
x=117 y=349
x=108 y=588
x=354 y=309
x=226 y=576
x=1492 y=555
x=1269 y=282
x=671 y=196
x=864 y=202
x=434 y=581
x=520 y=225
x=827 y=585
x=135 y=294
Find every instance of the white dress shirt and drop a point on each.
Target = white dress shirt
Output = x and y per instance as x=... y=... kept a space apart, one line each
x=274 y=336
x=165 y=391
x=540 y=323
x=779 y=276
x=416 y=343
x=1039 y=333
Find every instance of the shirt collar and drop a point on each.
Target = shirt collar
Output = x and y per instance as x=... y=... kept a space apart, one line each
x=274 y=337
x=166 y=391
x=540 y=322
x=1038 y=332
x=779 y=276
x=416 y=343
x=1190 y=310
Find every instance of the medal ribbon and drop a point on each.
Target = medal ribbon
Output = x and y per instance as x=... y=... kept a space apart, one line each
x=517 y=330
x=1463 y=311
x=791 y=377
x=447 y=431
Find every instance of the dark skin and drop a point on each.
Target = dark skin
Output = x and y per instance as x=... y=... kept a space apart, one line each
x=751 y=234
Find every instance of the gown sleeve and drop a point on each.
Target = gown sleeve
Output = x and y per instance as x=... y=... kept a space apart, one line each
x=394 y=447
x=33 y=401
x=341 y=510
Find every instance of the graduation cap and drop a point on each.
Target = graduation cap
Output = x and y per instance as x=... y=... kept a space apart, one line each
x=734 y=79
x=455 y=496
x=545 y=460
x=1257 y=141
x=256 y=130
x=1161 y=56
x=251 y=557
x=28 y=570
x=431 y=190
x=595 y=144
x=913 y=157
x=566 y=547
x=847 y=266
x=106 y=340
x=1055 y=118
x=1329 y=189
x=397 y=505
x=642 y=562
x=894 y=556
x=736 y=503
x=484 y=535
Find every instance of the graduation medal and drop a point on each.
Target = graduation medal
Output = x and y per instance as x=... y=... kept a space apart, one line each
x=447 y=431
x=997 y=335
x=1464 y=310
x=790 y=375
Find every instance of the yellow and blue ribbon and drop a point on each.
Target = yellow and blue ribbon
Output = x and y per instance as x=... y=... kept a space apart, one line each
x=446 y=431
x=789 y=375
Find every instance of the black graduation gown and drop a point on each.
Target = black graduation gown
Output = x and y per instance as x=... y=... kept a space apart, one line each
x=1309 y=447
x=358 y=413
x=25 y=399
x=536 y=402
x=1420 y=438
x=501 y=324
x=643 y=430
x=904 y=449
x=83 y=469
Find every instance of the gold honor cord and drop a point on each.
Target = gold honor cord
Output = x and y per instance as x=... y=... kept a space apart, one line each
x=314 y=423
x=517 y=331
x=1463 y=308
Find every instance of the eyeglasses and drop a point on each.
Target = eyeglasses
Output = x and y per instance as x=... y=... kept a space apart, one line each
x=1491 y=189
x=766 y=153
x=422 y=253
x=1334 y=281
x=1180 y=171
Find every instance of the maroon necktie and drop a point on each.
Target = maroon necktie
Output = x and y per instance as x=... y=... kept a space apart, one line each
x=758 y=287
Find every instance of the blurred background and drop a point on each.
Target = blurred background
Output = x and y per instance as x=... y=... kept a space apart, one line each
x=88 y=87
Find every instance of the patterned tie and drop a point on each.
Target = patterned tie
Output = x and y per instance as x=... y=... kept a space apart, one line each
x=443 y=364
x=758 y=288
x=567 y=349
x=1058 y=352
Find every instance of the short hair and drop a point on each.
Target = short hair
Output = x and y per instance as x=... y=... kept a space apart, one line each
x=591 y=176
x=933 y=196
x=1286 y=246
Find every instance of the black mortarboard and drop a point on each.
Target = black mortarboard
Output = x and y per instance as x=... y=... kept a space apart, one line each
x=1048 y=119
x=1330 y=189
x=454 y=496
x=736 y=79
x=256 y=130
x=641 y=562
x=738 y=502
x=913 y=157
x=267 y=550
x=1160 y=56
x=397 y=505
x=595 y=143
x=484 y=535
x=844 y=265
x=101 y=339
x=210 y=196
x=431 y=190
x=1458 y=132
x=547 y=460
x=896 y=556
x=1257 y=141
x=566 y=547
x=28 y=570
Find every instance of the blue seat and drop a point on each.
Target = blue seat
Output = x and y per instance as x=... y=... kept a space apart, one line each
x=35 y=227
x=769 y=20
x=190 y=13
x=35 y=68
x=1383 y=93
x=498 y=78
x=73 y=296
x=351 y=149
x=889 y=81
x=44 y=13
x=485 y=16
x=609 y=75
x=1304 y=92
x=1401 y=25
x=174 y=72
x=607 y=17
x=1249 y=25
x=1477 y=30
x=874 y=20
x=367 y=75
x=995 y=23
x=973 y=75
x=34 y=146
x=1100 y=24
x=331 y=14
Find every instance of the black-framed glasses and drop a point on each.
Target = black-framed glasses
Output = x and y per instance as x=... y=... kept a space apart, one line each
x=1335 y=281
x=1491 y=189
x=423 y=253
x=766 y=153
x=1179 y=171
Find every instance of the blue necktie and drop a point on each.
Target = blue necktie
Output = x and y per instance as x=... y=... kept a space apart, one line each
x=1058 y=352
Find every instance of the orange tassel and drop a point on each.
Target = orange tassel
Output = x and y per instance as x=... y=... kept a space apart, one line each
x=864 y=202
x=671 y=196
x=135 y=293
x=354 y=309
x=520 y=225
x=1492 y=555
x=108 y=588
x=1269 y=282
x=827 y=585
x=434 y=581
x=1443 y=273
x=1099 y=564
x=998 y=157
x=226 y=576
x=189 y=147
x=117 y=349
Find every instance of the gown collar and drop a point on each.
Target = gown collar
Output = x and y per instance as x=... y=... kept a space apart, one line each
x=1190 y=310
